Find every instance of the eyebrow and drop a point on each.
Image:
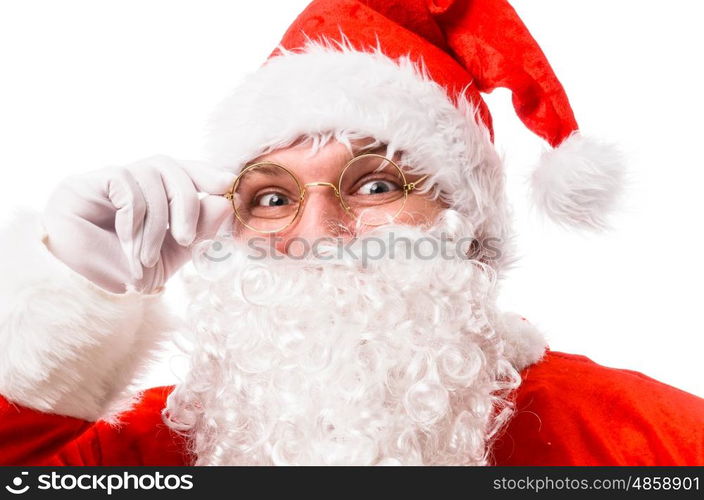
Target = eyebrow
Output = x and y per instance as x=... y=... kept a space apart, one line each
x=356 y=151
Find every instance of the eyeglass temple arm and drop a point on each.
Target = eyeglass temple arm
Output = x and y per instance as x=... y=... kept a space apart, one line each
x=410 y=186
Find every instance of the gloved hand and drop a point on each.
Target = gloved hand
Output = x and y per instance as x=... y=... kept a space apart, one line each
x=133 y=225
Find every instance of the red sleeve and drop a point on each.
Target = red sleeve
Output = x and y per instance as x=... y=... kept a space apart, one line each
x=572 y=411
x=29 y=437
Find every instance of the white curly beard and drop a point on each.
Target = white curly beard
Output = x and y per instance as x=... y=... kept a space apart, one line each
x=397 y=361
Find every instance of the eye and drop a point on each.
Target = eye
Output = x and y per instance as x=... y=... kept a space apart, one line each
x=272 y=200
x=377 y=187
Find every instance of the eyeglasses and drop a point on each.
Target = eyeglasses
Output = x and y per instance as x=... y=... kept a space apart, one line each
x=268 y=197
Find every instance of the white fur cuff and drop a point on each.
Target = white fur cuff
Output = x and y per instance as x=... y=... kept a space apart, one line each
x=67 y=346
x=524 y=344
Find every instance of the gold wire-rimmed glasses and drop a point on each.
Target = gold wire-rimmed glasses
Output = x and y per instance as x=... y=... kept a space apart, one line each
x=267 y=197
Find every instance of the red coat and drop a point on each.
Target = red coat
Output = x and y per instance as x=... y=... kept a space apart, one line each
x=570 y=411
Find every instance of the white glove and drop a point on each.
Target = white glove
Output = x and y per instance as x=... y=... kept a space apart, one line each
x=133 y=225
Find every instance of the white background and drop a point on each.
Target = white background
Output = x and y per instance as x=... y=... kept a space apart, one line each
x=86 y=84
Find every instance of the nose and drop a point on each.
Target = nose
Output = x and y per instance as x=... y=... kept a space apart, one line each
x=321 y=216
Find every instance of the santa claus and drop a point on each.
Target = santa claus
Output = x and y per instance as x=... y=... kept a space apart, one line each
x=347 y=235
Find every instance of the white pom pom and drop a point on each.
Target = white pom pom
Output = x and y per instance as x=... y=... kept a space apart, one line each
x=579 y=183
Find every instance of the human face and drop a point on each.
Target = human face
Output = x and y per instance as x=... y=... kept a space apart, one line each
x=322 y=215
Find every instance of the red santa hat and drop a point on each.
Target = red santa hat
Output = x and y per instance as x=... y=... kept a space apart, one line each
x=410 y=73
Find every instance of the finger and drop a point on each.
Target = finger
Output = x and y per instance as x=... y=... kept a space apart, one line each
x=184 y=205
x=215 y=211
x=124 y=193
x=157 y=212
x=207 y=178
